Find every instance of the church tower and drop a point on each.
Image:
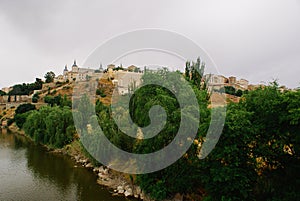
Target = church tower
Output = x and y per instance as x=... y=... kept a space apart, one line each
x=65 y=70
x=100 y=68
x=75 y=67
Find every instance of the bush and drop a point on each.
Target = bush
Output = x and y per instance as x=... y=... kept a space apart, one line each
x=25 y=108
x=51 y=125
x=239 y=93
x=10 y=122
x=100 y=92
x=35 y=98
x=20 y=119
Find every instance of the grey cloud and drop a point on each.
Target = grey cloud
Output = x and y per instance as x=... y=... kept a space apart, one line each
x=256 y=40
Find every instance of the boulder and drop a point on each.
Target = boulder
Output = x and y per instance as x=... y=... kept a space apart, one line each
x=89 y=165
x=138 y=190
x=101 y=169
x=128 y=192
x=77 y=157
x=120 y=189
x=142 y=196
x=102 y=176
x=106 y=171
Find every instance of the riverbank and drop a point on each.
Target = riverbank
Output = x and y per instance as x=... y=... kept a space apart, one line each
x=121 y=184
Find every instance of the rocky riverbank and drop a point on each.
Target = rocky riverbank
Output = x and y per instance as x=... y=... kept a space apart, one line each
x=118 y=182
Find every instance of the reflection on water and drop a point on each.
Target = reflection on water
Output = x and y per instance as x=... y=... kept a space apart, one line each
x=29 y=172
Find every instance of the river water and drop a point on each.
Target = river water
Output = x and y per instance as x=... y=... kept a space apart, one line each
x=29 y=172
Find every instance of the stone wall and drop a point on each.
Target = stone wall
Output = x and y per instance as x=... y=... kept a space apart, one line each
x=14 y=99
x=4 y=99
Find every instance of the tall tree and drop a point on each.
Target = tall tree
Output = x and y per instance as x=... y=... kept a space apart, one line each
x=49 y=76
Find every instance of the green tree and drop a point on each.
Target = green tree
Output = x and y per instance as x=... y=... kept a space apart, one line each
x=100 y=92
x=49 y=76
x=230 y=90
x=239 y=93
x=51 y=125
x=35 y=98
x=26 y=89
x=25 y=108
x=183 y=176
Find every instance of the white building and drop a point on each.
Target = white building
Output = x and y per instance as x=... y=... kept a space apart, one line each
x=216 y=82
x=79 y=74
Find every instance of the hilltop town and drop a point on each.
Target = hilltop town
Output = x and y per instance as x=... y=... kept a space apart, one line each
x=110 y=79
x=53 y=126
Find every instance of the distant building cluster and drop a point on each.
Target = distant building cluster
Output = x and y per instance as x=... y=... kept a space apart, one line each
x=76 y=73
x=216 y=82
x=122 y=78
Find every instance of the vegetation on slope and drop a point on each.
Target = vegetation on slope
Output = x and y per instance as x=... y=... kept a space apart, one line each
x=256 y=158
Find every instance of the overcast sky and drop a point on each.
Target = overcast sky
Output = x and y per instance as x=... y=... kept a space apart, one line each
x=256 y=40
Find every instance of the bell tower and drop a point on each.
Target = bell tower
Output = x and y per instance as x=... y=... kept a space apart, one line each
x=75 y=67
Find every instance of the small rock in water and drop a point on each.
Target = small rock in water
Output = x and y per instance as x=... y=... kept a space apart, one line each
x=89 y=165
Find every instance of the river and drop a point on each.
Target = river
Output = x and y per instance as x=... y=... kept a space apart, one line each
x=29 y=172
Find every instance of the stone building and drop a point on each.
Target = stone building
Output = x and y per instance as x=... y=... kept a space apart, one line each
x=243 y=83
x=122 y=79
x=126 y=80
x=111 y=66
x=232 y=80
x=132 y=68
x=4 y=99
x=76 y=73
x=216 y=82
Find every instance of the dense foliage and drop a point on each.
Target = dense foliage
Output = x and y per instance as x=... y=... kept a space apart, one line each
x=49 y=77
x=194 y=72
x=22 y=113
x=26 y=89
x=232 y=91
x=51 y=125
x=256 y=158
x=100 y=92
x=57 y=100
x=35 y=98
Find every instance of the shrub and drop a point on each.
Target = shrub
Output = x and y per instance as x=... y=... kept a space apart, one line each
x=100 y=92
x=35 y=98
x=25 y=108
